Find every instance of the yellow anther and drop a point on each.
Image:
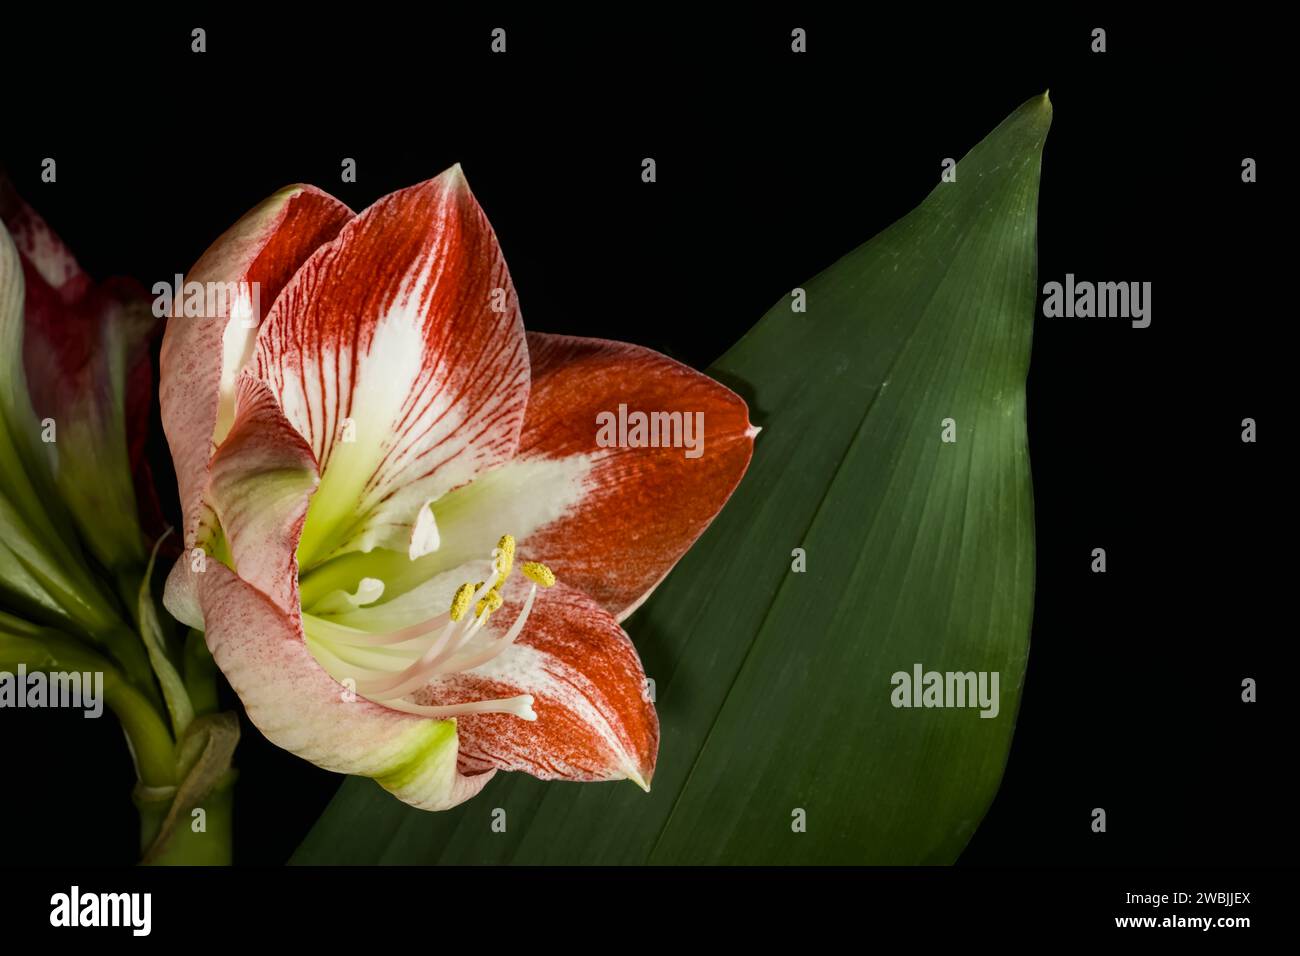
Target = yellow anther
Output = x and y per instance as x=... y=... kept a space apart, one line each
x=539 y=573
x=460 y=603
x=505 y=558
x=492 y=602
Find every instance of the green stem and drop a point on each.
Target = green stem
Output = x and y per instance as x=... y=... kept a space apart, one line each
x=198 y=839
x=147 y=733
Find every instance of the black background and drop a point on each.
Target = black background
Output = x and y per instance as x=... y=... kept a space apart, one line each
x=771 y=166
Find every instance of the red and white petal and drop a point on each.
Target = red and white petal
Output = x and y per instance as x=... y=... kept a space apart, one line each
x=202 y=356
x=398 y=352
x=262 y=478
x=292 y=700
x=594 y=717
x=611 y=521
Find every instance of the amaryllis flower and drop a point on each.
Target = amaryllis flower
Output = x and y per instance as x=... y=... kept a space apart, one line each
x=420 y=547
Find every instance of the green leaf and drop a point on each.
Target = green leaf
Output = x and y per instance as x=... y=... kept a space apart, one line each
x=179 y=708
x=774 y=687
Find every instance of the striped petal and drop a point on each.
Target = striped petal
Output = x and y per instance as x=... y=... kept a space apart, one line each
x=612 y=521
x=292 y=700
x=398 y=352
x=594 y=717
x=203 y=355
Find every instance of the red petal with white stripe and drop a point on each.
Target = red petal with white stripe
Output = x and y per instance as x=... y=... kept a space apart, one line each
x=398 y=352
x=594 y=717
x=627 y=514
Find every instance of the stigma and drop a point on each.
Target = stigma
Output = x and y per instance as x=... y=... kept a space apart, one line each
x=388 y=667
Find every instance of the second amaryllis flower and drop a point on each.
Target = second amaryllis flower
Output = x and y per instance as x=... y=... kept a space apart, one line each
x=408 y=549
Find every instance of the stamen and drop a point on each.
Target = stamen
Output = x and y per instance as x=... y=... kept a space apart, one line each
x=388 y=667
x=539 y=573
x=371 y=661
x=414 y=677
x=521 y=707
x=500 y=644
x=505 y=558
x=491 y=603
x=351 y=636
x=343 y=666
x=452 y=639
x=460 y=603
